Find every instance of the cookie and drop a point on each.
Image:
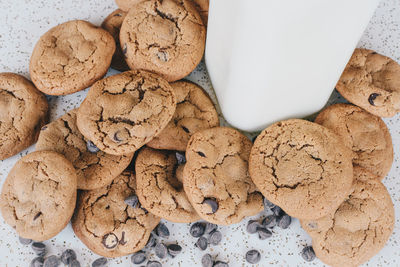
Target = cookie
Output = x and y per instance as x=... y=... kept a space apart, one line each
x=23 y=111
x=165 y=37
x=70 y=57
x=107 y=225
x=202 y=7
x=216 y=178
x=123 y=112
x=362 y=132
x=112 y=23
x=94 y=168
x=302 y=167
x=125 y=5
x=194 y=112
x=159 y=189
x=39 y=194
x=372 y=82
x=358 y=229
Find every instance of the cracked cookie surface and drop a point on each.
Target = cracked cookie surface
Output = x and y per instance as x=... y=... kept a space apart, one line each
x=121 y=113
x=165 y=37
x=159 y=189
x=112 y=23
x=359 y=228
x=372 y=82
x=70 y=57
x=194 y=112
x=365 y=134
x=39 y=194
x=302 y=167
x=23 y=111
x=107 y=225
x=216 y=178
x=94 y=169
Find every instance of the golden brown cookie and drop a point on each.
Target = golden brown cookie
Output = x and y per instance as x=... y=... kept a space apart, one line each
x=125 y=5
x=39 y=194
x=216 y=178
x=365 y=134
x=202 y=7
x=107 y=225
x=194 y=112
x=372 y=82
x=358 y=229
x=23 y=111
x=112 y=23
x=94 y=168
x=302 y=167
x=165 y=37
x=121 y=113
x=71 y=57
x=158 y=188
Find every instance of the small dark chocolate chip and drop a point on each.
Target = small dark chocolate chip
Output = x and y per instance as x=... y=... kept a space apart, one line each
x=151 y=242
x=122 y=241
x=207 y=261
x=37 y=262
x=132 y=201
x=212 y=203
x=252 y=226
x=51 y=261
x=100 y=262
x=174 y=250
x=215 y=237
x=110 y=241
x=268 y=205
x=197 y=229
x=185 y=129
x=153 y=264
x=220 y=264
x=74 y=263
x=118 y=15
x=44 y=128
x=201 y=154
x=39 y=248
x=263 y=233
x=68 y=256
x=253 y=256
x=139 y=257
x=269 y=221
x=162 y=55
x=92 y=148
x=201 y=243
x=24 y=241
x=284 y=221
x=312 y=225
x=180 y=157
x=162 y=230
x=308 y=254
x=117 y=137
x=160 y=250
x=372 y=97
x=37 y=215
x=210 y=227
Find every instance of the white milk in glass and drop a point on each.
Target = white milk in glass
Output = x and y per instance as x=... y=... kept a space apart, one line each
x=270 y=60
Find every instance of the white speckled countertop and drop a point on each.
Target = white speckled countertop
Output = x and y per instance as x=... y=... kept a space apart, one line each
x=22 y=22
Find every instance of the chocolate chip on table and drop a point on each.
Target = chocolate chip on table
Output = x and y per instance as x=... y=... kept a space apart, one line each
x=215 y=237
x=24 y=241
x=212 y=203
x=210 y=227
x=37 y=262
x=153 y=264
x=269 y=221
x=138 y=257
x=92 y=148
x=132 y=201
x=197 y=229
x=284 y=221
x=207 y=261
x=162 y=230
x=160 y=250
x=74 y=263
x=110 y=241
x=252 y=226
x=220 y=264
x=52 y=261
x=100 y=262
x=39 y=248
x=180 y=158
x=263 y=233
x=308 y=254
x=151 y=242
x=201 y=243
x=253 y=256
x=372 y=97
x=174 y=250
x=68 y=256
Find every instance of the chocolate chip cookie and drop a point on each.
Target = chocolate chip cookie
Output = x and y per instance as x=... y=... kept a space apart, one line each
x=365 y=134
x=158 y=188
x=358 y=229
x=107 y=225
x=70 y=57
x=372 y=82
x=123 y=112
x=39 y=194
x=216 y=178
x=302 y=167
x=202 y=7
x=194 y=112
x=23 y=111
x=94 y=168
x=112 y=23
x=125 y=5
x=165 y=37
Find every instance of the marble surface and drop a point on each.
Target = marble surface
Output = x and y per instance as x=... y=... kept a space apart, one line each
x=22 y=22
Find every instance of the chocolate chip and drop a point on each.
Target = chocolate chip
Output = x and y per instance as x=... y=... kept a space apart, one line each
x=117 y=137
x=201 y=154
x=212 y=203
x=138 y=257
x=153 y=264
x=118 y=15
x=312 y=225
x=263 y=233
x=37 y=262
x=210 y=227
x=308 y=254
x=215 y=237
x=39 y=248
x=174 y=250
x=207 y=261
x=201 y=243
x=122 y=241
x=51 y=261
x=125 y=49
x=180 y=157
x=160 y=250
x=269 y=221
x=197 y=229
x=372 y=97
x=253 y=256
x=252 y=226
x=68 y=256
x=44 y=128
x=185 y=129
x=162 y=230
x=37 y=215
x=268 y=205
x=151 y=242
x=100 y=262
x=92 y=148
x=24 y=241
x=132 y=201
x=74 y=263
x=110 y=241
x=284 y=221
x=162 y=55
x=220 y=264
